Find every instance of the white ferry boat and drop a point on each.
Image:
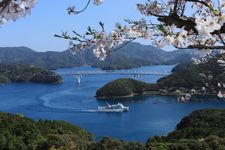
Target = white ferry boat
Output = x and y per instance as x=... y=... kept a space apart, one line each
x=113 y=108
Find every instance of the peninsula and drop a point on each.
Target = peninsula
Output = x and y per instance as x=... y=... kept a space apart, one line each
x=19 y=73
x=202 y=79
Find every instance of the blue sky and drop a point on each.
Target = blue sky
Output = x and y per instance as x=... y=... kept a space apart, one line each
x=49 y=17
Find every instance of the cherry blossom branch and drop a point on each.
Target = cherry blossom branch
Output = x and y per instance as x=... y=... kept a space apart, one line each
x=4 y=3
x=204 y=29
x=123 y=45
x=201 y=2
x=186 y=23
x=221 y=38
x=14 y=9
x=89 y=1
x=71 y=9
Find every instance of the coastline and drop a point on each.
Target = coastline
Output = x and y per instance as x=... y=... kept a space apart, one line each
x=150 y=93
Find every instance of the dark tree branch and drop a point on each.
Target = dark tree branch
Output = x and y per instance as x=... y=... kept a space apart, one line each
x=124 y=44
x=175 y=7
x=4 y=3
x=201 y=2
x=88 y=3
x=180 y=22
x=221 y=39
x=203 y=47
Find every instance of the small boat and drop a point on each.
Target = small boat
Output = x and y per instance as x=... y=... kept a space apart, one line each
x=113 y=108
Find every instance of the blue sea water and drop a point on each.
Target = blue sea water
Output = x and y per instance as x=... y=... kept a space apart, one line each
x=148 y=115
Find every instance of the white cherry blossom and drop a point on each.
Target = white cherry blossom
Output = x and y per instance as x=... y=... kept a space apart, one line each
x=98 y=2
x=15 y=9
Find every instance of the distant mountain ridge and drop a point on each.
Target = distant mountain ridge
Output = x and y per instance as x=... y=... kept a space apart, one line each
x=130 y=56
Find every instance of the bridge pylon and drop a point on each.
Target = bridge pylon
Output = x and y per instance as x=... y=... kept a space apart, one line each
x=78 y=79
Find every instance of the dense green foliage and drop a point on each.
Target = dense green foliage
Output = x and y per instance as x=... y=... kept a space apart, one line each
x=181 y=67
x=26 y=73
x=130 y=56
x=123 y=87
x=187 y=77
x=201 y=130
x=201 y=124
x=21 y=133
x=111 y=144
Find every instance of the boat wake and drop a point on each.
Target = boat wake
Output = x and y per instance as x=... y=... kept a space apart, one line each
x=47 y=101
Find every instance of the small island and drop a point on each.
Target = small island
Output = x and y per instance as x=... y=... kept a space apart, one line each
x=202 y=79
x=124 y=88
x=18 y=73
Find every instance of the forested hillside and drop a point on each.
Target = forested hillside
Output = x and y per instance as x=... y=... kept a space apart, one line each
x=17 y=73
x=130 y=56
x=201 y=130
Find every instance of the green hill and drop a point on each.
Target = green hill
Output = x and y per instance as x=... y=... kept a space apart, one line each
x=201 y=130
x=26 y=73
x=21 y=133
x=50 y=60
x=202 y=78
x=130 y=56
x=123 y=88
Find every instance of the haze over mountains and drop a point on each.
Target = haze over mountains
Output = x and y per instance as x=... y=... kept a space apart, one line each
x=130 y=56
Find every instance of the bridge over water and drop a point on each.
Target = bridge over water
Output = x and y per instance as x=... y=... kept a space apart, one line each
x=110 y=72
x=131 y=73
